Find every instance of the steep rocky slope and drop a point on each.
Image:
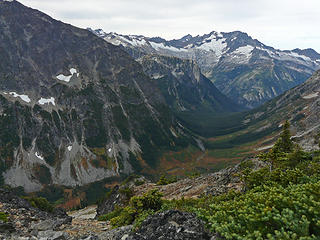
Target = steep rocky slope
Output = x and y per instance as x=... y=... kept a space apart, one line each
x=244 y=69
x=300 y=105
x=74 y=109
x=183 y=85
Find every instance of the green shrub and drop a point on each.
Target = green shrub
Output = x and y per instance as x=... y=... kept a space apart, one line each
x=108 y=216
x=267 y=212
x=3 y=217
x=163 y=180
x=136 y=211
x=139 y=182
x=130 y=178
x=41 y=203
x=150 y=200
x=127 y=192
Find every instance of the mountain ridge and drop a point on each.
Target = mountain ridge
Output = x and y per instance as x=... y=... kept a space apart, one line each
x=244 y=69
x=74 y=109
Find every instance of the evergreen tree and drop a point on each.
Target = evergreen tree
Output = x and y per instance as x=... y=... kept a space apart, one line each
x=284 y=143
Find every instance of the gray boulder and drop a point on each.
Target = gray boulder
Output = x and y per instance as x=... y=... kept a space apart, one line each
x=171 y=225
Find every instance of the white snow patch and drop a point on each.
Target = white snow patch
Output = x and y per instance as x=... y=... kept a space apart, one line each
x=109 y=150
x=113 y=41
x=73 y=71
x=216 y=46
x=133 y=40
x=189 y=46
x=64 y=78
x=157 y=76
x=288 y=56
x=43 y=101
x=294 y=54
x=39 y=156
x=161 y=46
x=312 y=95
x=245 y=50
x=69 y=148
x=219 y=34
x=23 y=97
x=138 y=42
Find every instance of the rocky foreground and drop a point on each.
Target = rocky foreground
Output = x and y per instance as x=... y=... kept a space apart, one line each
x=30 y=223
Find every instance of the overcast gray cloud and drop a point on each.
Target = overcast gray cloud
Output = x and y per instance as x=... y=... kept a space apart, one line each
x=284 y=24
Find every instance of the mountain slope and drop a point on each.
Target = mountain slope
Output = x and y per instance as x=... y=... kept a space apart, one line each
x=74 y=109
x=242 y=68
x=300 y=106
x=183 y=85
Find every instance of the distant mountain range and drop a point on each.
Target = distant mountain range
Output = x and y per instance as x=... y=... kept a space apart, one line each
x=244 y=69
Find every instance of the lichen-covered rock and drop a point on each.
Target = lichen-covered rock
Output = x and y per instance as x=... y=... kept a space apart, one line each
x=171 y=224
x=121 y=233
x=6 y=227
x=108 y=204
x=25 y=221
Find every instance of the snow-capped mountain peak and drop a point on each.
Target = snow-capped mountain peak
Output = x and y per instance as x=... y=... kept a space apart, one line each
x=231 y=56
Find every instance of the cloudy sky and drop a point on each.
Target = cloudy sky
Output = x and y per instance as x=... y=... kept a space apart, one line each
x=283 y=24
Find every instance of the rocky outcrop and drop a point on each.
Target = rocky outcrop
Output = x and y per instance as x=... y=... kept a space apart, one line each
x=207 y=184
x=115 y=198
x=30 y=222
x=119 y=195
x=171 y=224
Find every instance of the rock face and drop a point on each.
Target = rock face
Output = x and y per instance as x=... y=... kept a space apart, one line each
x=171 y=224
x=74 y=109
x=108 y=205
x=242 y=68
x=184 y=87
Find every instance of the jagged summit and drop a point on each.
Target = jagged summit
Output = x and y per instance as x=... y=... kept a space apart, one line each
x=246 y=70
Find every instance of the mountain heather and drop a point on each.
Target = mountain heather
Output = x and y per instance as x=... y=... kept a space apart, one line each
x=74 y=109
x=244 y=69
